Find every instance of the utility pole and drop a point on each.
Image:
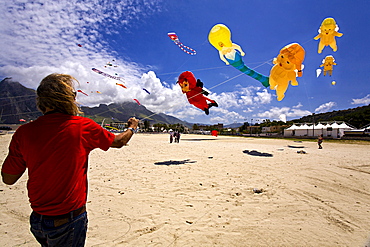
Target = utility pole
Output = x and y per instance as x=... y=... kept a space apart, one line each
x=313 y=125
x=251 y=125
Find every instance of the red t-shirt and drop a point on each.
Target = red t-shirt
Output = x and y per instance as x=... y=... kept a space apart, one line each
x=55 y=150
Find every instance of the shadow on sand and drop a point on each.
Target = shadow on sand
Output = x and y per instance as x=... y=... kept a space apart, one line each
x=295 y=146
x=174 y=162
x=256 y=153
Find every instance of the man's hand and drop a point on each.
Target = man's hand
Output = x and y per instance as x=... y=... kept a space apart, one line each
x=133 y=123
x=123 y=138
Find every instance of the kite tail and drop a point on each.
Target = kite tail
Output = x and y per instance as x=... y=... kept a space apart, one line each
x=186 y=49
x=239 y=64
x=248 y=71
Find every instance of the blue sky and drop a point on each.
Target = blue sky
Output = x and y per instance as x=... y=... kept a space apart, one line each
x=41 y=37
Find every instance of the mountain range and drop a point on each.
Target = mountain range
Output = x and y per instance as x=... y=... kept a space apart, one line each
x=18 y=102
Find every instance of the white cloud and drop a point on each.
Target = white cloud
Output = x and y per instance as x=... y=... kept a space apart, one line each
x=244 y=99
x=39 y=37
x=247 y=96
x=226 y=99
x=325 y=107
x=189 y=112
x=263 y=97
x=222 y=115
x=161 y=98
x=248 y=110
x=276 y=113
x=299 y=105
x=363 y=101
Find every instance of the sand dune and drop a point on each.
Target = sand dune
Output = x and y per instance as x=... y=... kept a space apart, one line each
x=215 y=191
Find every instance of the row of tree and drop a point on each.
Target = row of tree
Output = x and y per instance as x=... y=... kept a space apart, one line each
x=357 y=117
x=160 y=127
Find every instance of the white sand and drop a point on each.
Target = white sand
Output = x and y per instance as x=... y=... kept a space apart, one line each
x=202 y=194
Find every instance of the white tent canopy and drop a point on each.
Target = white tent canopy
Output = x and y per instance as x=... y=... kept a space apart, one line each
x=329 y=129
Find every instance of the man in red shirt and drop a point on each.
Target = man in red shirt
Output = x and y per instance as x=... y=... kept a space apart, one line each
x=55 y=149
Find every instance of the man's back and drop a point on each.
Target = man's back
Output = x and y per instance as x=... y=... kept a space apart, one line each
x=55 y=150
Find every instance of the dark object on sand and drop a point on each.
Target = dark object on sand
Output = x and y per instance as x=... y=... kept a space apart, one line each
x=257 y=191
x=256 y=153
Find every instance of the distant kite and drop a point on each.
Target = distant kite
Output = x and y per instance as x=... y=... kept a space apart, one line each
x=80 y=91
x=79 y=45
x=318 y=72
x=108 y=75
x=120 y=84
x=230 y=53
x=137 y=102
x=328 y=64
x=110 y=64
x=327 y=33
x=146 y=90
x=186 y=49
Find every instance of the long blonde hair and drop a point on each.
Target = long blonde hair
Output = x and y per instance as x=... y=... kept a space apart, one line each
x=56 y=91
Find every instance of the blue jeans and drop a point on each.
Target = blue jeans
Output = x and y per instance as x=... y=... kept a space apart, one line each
x=72 y=233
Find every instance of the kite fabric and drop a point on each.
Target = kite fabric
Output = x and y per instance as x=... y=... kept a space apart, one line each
x=186 y=49
x=193 y=89
x=120 y=84
x=230 y=53
x=108 y=75
x=288 y=65
x=318 y=72
x=328 y=64
x=80 y=91
x=327 y=33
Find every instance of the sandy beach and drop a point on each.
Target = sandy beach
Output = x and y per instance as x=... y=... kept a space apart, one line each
x=214 y=191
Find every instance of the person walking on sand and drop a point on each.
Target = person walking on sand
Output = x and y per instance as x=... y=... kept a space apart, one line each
x=320 y=140
x=55 y=149
x=171 y=136
x=178 y=136
x=175 y=136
